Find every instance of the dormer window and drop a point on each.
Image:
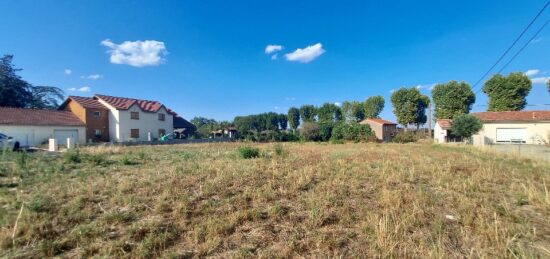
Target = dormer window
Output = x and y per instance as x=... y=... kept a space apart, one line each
x=162 y=117
x=97 y=114
x=134 y=115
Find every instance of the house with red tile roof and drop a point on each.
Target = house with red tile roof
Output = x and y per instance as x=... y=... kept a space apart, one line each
x=94 y=115
x=135 y=119
x=383 y=130
x=526 y=127
x=31 y=127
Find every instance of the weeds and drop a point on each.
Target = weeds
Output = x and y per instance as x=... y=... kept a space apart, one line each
x=249 y=152
x=350 y=200
x=72 y=156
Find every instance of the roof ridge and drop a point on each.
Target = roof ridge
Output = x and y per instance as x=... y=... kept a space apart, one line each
x=130 y=98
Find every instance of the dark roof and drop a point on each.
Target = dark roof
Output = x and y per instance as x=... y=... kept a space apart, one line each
x=123 y=103
x=180 y=122
x=513 y=116
x=19 y=116
x=445 y=123
x=379 y=121
x=86 y=102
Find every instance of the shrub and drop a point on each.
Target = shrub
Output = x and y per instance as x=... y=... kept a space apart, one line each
x=309 y=131
x=466 y=125
x=72 y=156
x=405 y=137
x=351 y=132
x=249 y=152
x=325 y=130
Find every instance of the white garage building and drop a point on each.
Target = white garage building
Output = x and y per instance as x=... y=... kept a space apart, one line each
x=524 y=127
x=34 y=127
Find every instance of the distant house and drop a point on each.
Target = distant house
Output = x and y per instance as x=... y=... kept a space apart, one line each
x=443 y=133
x=384 y=130
x=94 y=114
x=34 y=127
x=526 y=127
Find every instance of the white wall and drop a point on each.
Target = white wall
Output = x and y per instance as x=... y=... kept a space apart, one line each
x=439 y=134
x=148 y=122
x=36 y=135
x=535 y=131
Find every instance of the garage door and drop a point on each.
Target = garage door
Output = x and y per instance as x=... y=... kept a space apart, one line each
x=62 y=135
x=512 y=135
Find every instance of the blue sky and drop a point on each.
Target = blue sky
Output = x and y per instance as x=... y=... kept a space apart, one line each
x=208 y=58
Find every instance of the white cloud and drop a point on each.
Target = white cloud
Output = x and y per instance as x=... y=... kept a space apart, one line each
x=532 y=72
x=540 y=80
x=84 y=89
x=67 y=71
x=136 y=53
x=273 y=48
x=277 y=108
x=274 y=56
x=339 y=104
x=290 y=98
x=392 y=91
x=92 y=77
x=307 y=54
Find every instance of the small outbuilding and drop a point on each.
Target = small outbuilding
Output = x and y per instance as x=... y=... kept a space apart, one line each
x=32 y=127
x=383 y=130
x=443 y=133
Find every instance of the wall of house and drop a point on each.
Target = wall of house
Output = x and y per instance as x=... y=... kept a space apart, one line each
x=537 y=132
x=377 y=128
x=439 y=134
x=29 y=135
x=148 y=122
x=100 y=123
x=76 y=109
x=389 y=132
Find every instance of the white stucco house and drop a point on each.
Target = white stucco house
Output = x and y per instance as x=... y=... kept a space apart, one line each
x=525 y=127
x=32 y=127
x=136 y=120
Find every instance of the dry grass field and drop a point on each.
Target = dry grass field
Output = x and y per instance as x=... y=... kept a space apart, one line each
x=295 y=200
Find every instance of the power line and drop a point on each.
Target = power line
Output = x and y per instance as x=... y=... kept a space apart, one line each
x=513 y=44
x=524 y=46
x=520 y=50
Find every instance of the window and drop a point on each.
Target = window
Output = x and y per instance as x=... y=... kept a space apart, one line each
x=162 y=132
x=97 y=133
x=134 y=133
x=134 y=115
x=97 y=114
x=161 y=117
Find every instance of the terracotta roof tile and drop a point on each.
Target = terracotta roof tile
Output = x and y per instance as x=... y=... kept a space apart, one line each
x=379 y=121
x=122 y=103
x=88 y=102
x=514 y=116
x=445 y=123
x=19 y=116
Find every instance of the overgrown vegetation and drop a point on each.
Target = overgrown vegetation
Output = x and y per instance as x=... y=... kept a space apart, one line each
x=298 y=200
x=247 y=152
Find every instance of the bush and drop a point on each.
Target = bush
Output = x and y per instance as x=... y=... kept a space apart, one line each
x=466 y=125
x=309 y=131
x=325 y=131
x=249 y=152
x=351 y=132
x=97 y=159
x=72 y=156
x=405 y=137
